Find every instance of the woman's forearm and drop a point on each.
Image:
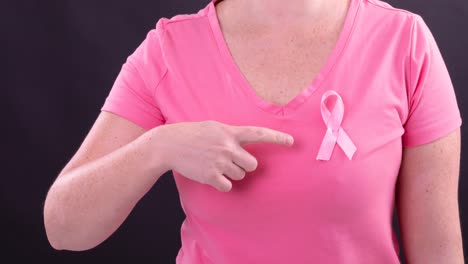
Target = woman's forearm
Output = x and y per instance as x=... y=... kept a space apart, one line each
x=87 y=204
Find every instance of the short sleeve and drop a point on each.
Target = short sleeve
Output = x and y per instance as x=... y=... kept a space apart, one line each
x=432 y=105
x=132 y=94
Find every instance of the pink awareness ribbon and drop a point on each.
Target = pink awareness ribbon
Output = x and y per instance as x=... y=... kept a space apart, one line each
x=335 y=133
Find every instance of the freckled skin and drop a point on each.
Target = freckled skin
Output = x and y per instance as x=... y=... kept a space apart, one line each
x=280 y=62
x=427 y=201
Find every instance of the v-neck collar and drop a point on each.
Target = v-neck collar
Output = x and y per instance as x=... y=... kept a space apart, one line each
x=290 y=107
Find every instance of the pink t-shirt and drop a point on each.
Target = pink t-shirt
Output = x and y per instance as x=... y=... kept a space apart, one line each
x=329 y=198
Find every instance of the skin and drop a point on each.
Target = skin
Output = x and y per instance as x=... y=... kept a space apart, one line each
x=260 y=34
x=96 y=190
x=427 y=202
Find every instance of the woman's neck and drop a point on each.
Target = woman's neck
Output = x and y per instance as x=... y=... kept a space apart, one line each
x=277 y=14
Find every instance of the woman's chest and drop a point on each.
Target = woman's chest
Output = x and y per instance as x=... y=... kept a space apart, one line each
x=278 y=67
x=371 y=117
x=292 y=179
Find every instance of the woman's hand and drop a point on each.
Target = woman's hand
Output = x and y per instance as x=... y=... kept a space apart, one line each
x=208 y=151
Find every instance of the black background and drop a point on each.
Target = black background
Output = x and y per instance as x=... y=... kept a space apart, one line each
x=59 y=61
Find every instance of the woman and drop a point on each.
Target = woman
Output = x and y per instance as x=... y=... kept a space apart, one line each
x=215 y=96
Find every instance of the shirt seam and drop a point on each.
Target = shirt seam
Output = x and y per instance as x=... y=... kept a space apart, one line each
x=433 y=134
x=410 y=91
x=411 y=51
x=163 y=38
x=186 y=18
x=151 y=102
x=394 y=9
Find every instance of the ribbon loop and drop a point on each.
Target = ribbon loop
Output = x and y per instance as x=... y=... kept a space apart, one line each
x=335 y=133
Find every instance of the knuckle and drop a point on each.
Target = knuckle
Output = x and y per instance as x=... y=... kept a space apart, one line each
x=205 y=123
x=219 y=163
x=210 y=178
x=260 y=133
x=247 y=130
x=237 y=175
x=279 y=138
x=228 y=150
x=211 y=124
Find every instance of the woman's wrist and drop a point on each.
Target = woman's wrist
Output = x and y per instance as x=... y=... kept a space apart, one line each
x=155 y=142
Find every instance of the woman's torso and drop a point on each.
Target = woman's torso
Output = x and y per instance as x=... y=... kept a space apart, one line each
x=293 y=207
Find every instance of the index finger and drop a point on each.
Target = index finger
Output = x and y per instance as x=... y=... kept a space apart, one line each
x=255 y=134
